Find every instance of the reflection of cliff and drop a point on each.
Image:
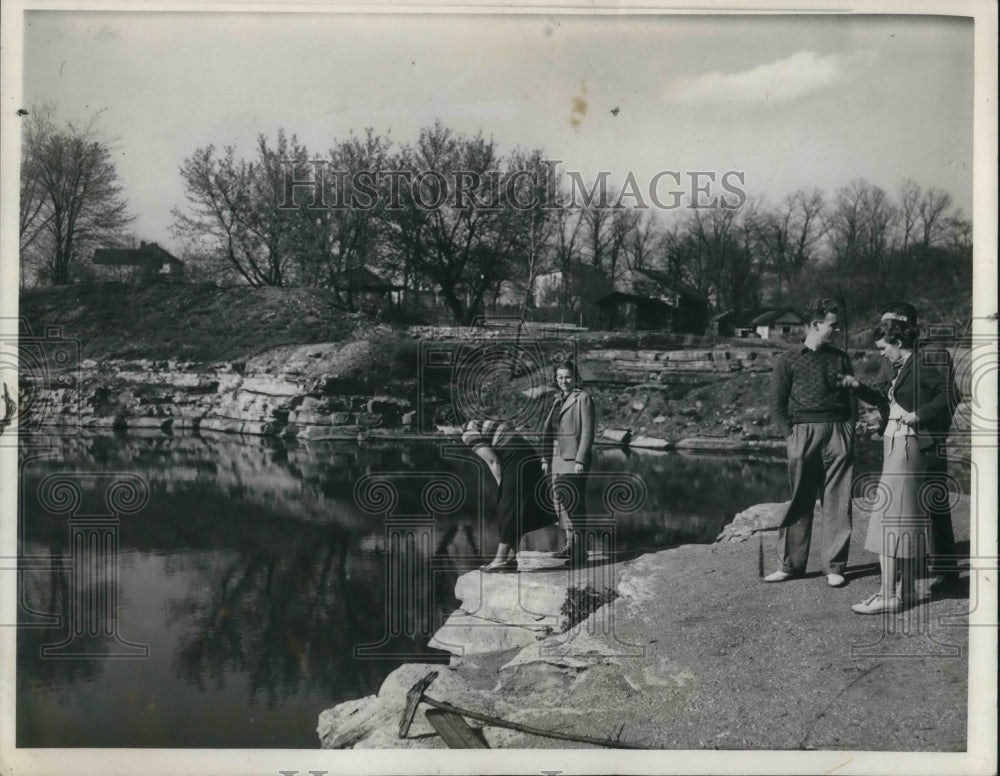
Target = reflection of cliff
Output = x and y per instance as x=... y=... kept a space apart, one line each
x=315 y=484
x=201 y=488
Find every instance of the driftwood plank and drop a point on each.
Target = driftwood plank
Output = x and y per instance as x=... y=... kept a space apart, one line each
x=454 y=730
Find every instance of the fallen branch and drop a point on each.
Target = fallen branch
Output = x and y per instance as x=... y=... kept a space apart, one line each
x=416 y=696
x=497 y=722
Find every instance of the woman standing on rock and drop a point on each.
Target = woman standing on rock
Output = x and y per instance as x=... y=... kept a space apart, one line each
x=920 y=400
x=516 y=466
x=568 y=439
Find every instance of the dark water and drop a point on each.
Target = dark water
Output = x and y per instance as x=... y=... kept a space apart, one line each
x=252 y=574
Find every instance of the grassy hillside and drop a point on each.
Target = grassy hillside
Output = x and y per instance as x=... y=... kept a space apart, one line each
x=196 y=322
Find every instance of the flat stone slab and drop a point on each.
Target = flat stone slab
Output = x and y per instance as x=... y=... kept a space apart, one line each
x=649 y=443
x=502 y=611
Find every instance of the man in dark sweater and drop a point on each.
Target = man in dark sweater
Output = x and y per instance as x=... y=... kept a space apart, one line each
x=817 y=417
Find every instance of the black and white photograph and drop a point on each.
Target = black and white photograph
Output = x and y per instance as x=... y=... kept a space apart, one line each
x=612 y=388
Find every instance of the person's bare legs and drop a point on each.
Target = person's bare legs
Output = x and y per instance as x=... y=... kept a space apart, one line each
x=890 y=570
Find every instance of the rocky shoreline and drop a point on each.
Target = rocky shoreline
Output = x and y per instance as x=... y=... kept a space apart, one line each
x=331 y=391
x=694 y=653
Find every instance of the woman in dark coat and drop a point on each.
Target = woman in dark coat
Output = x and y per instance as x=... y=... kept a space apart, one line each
x=521 y=487
x=919 y=400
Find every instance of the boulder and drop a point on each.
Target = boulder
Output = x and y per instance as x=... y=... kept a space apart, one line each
x=649 y=443
x=760 y=517
x=619 y=436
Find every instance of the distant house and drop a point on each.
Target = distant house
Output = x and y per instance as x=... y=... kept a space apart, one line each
x=778 y=324
x=735 y=323
x=369 y=291
x=149 y=259
x=547 y=285
x=648 y=299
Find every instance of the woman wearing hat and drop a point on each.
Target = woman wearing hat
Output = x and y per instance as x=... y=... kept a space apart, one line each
x=920 y=400
x=521 y=489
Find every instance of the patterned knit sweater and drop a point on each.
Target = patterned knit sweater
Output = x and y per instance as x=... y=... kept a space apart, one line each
x=806 y=391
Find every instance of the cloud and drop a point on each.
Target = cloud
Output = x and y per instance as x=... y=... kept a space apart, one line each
x=782 y=81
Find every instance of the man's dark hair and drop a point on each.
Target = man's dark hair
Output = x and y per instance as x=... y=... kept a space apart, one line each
x=819 y=308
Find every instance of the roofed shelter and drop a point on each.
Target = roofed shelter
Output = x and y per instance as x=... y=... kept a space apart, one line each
x=149 y=258
x=648 y=299
x=778 y=324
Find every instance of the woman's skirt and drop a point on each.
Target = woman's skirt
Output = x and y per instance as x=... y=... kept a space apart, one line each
x=900 y=523
x=524 y=499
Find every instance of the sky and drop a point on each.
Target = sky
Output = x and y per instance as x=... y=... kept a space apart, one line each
x=788 y=101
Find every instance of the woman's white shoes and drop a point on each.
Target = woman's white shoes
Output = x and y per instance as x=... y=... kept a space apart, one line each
x=877 y=605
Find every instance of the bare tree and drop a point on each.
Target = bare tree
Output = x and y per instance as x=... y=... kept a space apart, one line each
x=862 y=228
x=38 y=128
x=565 y=254
x=71 y=199
x=788 y=236
x=909 y=208
x=344 y=238
x=933 y=220
x=466 y=218
x=723 y=242
x=235 y=207
x=640 y=245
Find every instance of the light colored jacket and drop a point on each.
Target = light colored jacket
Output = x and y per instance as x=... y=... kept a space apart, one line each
x=570 y=435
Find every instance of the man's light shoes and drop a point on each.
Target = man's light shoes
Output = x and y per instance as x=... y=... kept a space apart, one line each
x=836 y=580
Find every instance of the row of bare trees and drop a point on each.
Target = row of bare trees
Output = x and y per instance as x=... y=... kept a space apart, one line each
x=370 y=209
x=862 y=242
x=288 y=216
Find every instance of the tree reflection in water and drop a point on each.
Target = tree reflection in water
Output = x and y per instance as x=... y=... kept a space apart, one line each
x=271 y=575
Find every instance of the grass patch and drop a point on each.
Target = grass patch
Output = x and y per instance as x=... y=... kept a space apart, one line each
x=186 y=321
x=580 y=603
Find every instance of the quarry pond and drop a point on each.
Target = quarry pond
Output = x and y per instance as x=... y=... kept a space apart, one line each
x=242 y=583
